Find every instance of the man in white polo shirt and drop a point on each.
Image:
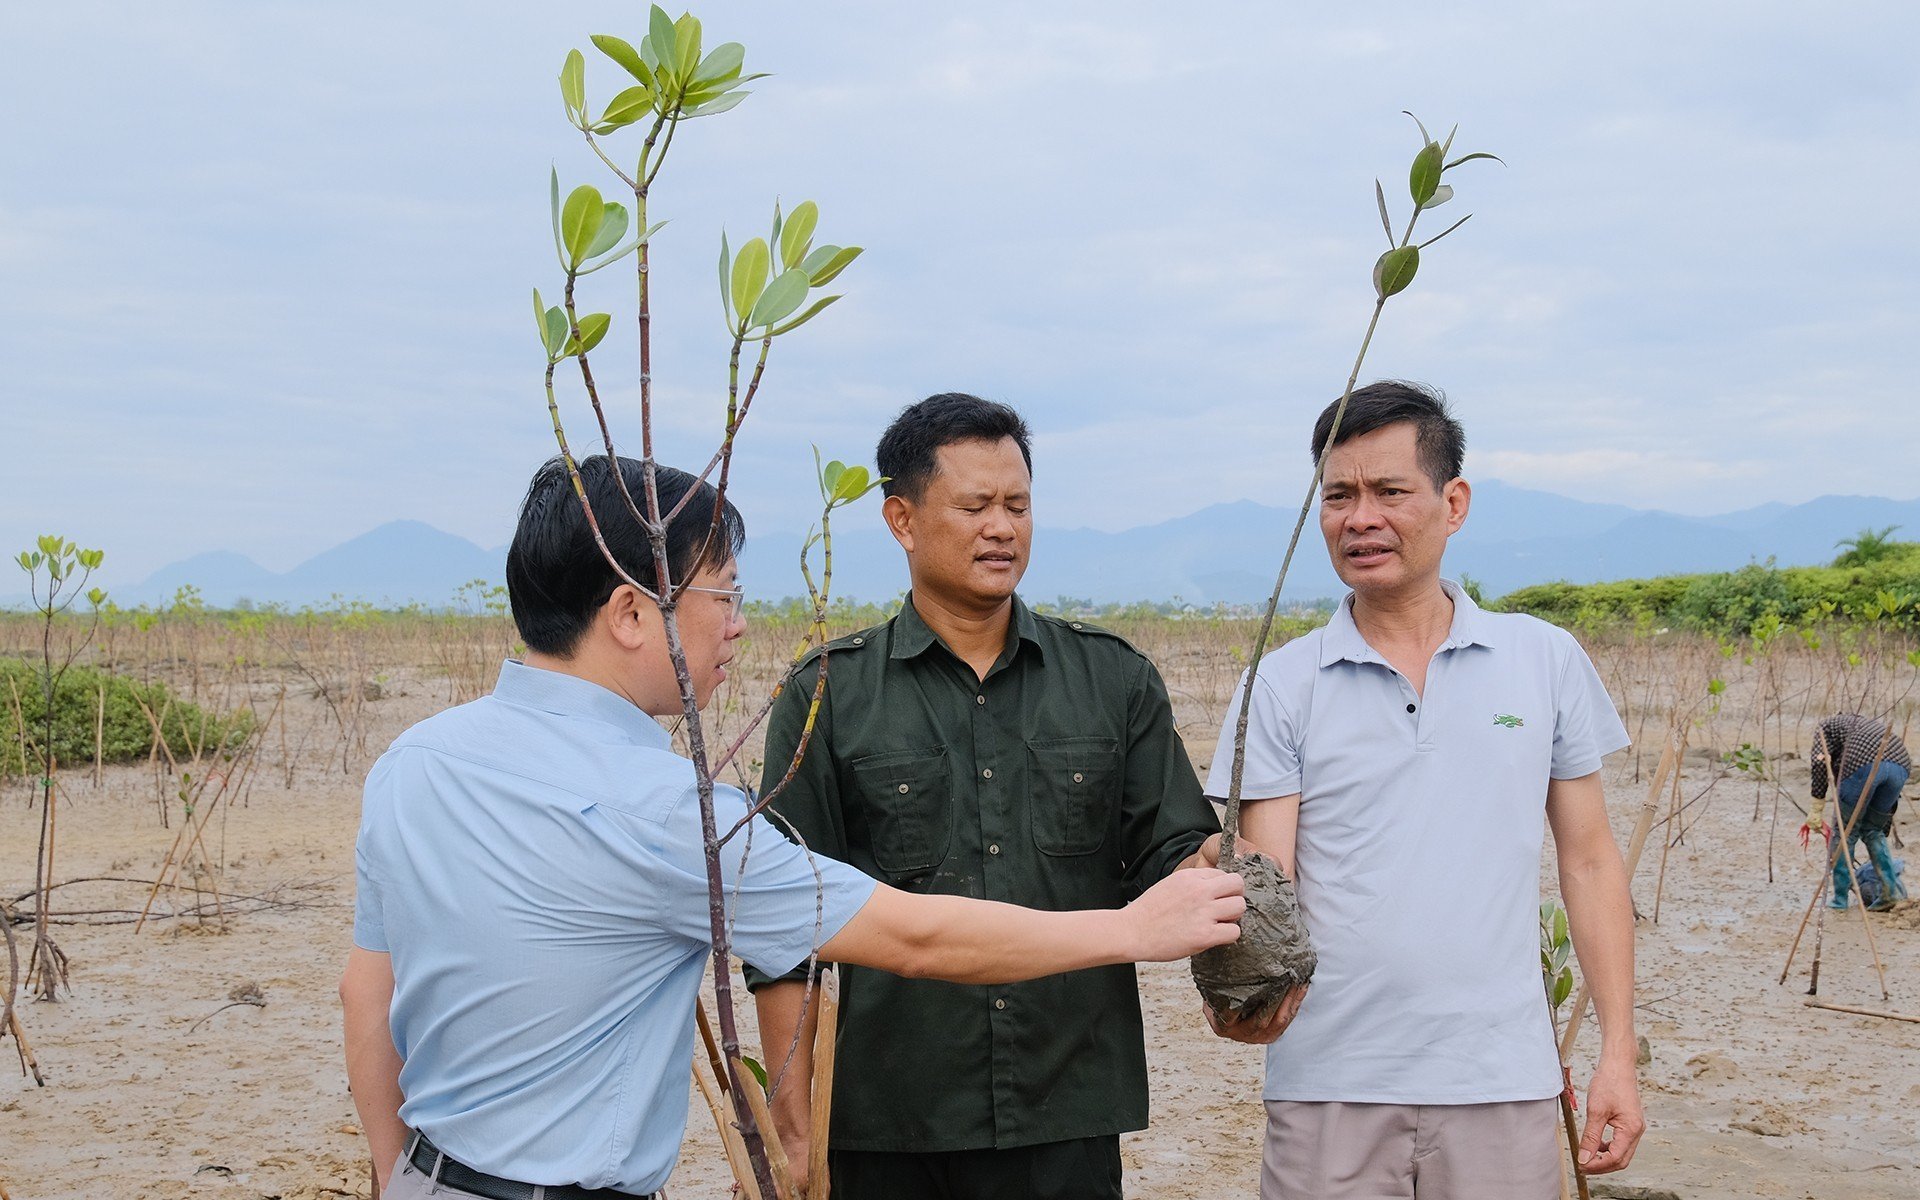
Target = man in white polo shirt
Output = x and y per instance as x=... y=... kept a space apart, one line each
x=1405 y=759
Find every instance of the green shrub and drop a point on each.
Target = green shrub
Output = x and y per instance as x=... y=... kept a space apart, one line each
x=1885 y=589
x=126 y=733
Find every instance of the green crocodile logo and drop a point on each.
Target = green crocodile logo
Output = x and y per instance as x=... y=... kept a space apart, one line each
x=1508 y=720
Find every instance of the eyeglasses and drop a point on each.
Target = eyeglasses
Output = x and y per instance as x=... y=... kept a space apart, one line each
x=738 y=595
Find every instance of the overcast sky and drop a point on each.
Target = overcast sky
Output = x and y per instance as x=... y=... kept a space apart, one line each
x=266 y=266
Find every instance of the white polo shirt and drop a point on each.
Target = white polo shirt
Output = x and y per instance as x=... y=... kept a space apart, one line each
x=1421 y=823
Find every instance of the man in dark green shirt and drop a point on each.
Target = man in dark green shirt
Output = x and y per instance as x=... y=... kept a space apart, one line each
x=972 y=747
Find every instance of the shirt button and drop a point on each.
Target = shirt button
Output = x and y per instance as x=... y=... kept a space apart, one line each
x=1409 y=708
x=994 y=848
x=999 y=1003
x=904 y=788
x=979 y=699
x=859 y=641
x=1078 y=625
x=1079 y=778
x=986 y=773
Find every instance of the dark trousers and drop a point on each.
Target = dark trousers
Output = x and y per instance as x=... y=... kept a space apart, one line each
x=1082 y=1169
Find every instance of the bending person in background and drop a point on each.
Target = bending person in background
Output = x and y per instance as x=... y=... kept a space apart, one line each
x=1872 y=765
x=531 y=924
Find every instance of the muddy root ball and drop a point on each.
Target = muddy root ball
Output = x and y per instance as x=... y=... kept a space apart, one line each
x=1248 y=978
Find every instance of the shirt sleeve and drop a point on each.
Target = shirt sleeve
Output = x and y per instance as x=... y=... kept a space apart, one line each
x=1586 y=727
x=782 y=902
x=369 y=927
x=1164 y=817
x=1273 y=743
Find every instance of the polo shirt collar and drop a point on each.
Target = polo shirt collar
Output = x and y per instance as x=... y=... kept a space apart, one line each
x=566 y=695
x=1342 y=640
x=912 y=637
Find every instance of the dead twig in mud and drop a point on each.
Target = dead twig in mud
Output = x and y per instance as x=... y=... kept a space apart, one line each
x=246 y=995
x=9 y=1019
x=231 y=903
x=1863 y=1012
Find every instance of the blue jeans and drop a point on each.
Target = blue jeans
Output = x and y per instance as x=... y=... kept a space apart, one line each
x=1870 y=827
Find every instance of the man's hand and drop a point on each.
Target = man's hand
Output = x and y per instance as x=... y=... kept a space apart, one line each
x=1185 y=913
x=1258 y=1033
x=1613 y=1101
x=797 y=1145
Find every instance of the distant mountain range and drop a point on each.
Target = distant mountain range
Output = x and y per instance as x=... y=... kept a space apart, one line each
x=1227 y=552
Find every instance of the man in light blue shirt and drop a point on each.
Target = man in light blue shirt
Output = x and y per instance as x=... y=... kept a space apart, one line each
x=1407 y=759
x=532 y=917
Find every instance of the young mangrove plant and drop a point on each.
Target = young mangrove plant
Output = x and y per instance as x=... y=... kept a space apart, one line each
x=769 y=287
x=1251 y=977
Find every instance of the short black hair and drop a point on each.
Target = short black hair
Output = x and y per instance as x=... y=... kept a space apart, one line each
x=1442 y=443
x=907 y=450
x=557 y=579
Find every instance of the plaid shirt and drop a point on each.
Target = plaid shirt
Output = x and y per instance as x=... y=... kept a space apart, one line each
x=1853 y=741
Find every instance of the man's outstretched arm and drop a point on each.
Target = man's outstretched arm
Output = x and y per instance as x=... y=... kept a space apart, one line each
x=1593 y=882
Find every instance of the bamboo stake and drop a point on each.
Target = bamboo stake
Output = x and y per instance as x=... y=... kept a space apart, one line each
x=1667 y=837
x=1864 y=1012
x=763 y=1117
x=713 y=1050
x=1669 y=763
x=736 y=1149
x=826 y=1041
x=1573 y=1146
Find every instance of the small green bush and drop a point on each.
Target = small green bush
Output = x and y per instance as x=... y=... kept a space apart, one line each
x=1884 y=589
x=126 y=735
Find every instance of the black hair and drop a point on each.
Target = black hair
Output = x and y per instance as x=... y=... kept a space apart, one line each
x=1441 y=442
x=557 y=579
x=907 y=451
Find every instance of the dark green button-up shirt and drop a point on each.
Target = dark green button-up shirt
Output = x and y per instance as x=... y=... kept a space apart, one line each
x=1058 y=782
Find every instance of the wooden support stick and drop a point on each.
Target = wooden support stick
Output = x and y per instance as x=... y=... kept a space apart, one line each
x=763 y=1117
x=1573 y=1145
x=736 y=1147
x=825 y=1042
x=1669 y=763
x=714 y=1060
x=1667 y=836
x=1864 y=1012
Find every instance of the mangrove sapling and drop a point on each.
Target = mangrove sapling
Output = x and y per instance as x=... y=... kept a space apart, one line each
x=764 y=291
x=67 y=568
x=1556 y=947
x=1250 y=978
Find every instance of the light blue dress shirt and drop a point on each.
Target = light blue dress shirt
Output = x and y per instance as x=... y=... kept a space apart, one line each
x=1422 y=819
x=532 y=863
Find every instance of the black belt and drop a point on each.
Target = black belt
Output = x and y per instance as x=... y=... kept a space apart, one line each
x=430 y=1161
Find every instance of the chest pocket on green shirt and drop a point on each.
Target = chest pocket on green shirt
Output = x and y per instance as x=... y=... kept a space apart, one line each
x=908 y=799
x=1076 y=788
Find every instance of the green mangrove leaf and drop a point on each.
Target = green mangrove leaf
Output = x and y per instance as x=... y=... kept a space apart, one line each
x=726 y=278
x=626 y=108
x=831 y=269
x=1424 y=176
x=1441 y=195
x=724 y=63
x=798 y=234
x=580 y=219
x=785 y=294
x=750 y=266
x=613 y=227
x=593 y=327
x=1476 y=154
x=622 y=52
x=661 y=40
x=573 y=83
x=715 y=107
x=1395 y=270
x=813 y=310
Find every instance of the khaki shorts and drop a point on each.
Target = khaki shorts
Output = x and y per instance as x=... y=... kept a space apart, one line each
x=1328 y=1150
